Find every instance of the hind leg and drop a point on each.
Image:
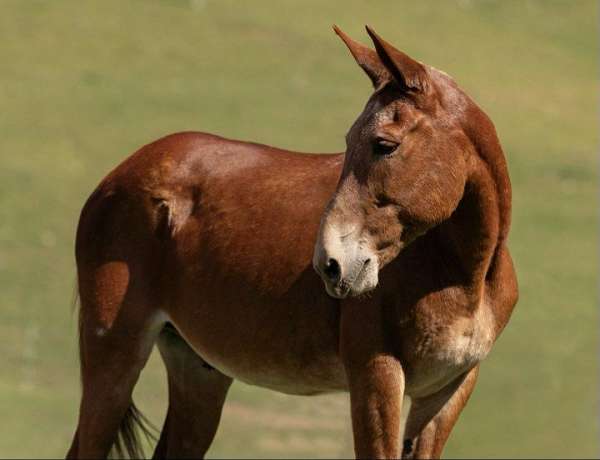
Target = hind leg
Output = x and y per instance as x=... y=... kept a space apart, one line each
x=107 y=387
x=113 y=365
x=114 y=348
x=120 y=266
x=196 y=396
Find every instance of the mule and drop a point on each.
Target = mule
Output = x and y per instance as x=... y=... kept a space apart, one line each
x=206 y=247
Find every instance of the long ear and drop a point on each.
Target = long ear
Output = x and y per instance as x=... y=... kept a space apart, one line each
x=366 y=58
x=408 y=72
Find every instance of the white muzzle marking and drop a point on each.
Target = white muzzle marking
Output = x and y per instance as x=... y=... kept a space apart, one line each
x=345 y=262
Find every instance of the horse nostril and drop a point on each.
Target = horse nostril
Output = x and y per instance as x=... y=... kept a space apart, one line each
x=332 y=270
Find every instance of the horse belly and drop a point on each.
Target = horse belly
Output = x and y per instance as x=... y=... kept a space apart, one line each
x=325 y=374
x=263 y=364
x=278 y=344
x=240 y=287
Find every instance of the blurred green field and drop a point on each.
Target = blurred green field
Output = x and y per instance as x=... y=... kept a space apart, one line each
x=83 y=84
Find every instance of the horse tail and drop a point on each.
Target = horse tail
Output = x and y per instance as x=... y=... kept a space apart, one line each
x=129 y=441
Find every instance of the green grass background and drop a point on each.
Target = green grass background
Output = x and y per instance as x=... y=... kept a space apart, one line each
x=83 y=84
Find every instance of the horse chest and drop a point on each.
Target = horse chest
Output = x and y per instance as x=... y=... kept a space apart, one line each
x=439 y=351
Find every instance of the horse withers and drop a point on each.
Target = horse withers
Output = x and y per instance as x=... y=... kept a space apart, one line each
x=210 y=248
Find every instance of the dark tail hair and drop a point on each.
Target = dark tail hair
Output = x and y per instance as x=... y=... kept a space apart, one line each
x=128 y=440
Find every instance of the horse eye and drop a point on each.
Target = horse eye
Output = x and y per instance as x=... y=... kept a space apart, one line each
x=384 y=147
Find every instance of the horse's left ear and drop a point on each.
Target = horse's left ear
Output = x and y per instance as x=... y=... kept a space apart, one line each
x=406 y=71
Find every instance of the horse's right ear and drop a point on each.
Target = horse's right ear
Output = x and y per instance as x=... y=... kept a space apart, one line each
x=409 y=73
x=366 y=58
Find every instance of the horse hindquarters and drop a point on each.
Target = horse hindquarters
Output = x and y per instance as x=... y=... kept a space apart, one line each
x=119 y=319
x=196 y=396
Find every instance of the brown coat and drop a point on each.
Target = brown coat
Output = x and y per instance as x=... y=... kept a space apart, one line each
x=205 y=245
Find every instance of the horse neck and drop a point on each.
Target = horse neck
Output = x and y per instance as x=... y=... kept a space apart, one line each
x=479 y=227
x=482 y=134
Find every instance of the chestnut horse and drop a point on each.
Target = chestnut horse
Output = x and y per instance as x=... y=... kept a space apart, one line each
x=204 y=246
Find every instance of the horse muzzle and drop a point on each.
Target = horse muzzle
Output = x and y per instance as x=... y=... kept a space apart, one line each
x=345 y=266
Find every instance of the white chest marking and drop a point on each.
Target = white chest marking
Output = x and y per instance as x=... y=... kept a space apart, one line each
x=469 y=340
x=462 y=345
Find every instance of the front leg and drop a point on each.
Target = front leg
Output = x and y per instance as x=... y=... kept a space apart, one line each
x=431 y=419
x=375 y=380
